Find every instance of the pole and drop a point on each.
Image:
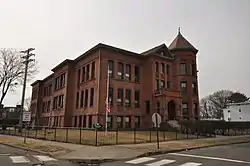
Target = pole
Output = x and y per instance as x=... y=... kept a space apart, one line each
x=107 y=104
x=26 y=62
x=157 y=131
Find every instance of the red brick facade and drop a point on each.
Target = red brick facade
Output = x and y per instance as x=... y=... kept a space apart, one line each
x=162 y=80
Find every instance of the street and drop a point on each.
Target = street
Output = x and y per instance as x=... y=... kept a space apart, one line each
x=10 y=156
x=230 y=155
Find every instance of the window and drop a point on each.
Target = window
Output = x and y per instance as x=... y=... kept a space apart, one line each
x=78 y=76
x=119 y=122
x=120 y=70
x=194 y=88
x=120 y=97
x=83 y=74
x=147 y=106
x=195 y=109
x=87 y=72
x=109 y=122
x=157 y=87
x=90 y=121
x=158 y=105
x=137 y=99
x=92 y=93
x=239 y=110
x=167 y=69
x=82 y=96
x=162 y=68
x=59 y=82
x=127 y=122
x=111 y=95
x=185 y=110
x=162 y=84
x=86 y=98
x=168 y=84
x=128 y=98
x=156 y=67
x=75 y=121
x=137 y=74
x=137 y=122
x=111 y=68
x=128 y=72
x=183 y=87
x=183 y=69
x=61 y=101
x=58 y=102
x=84 y=120
x=77 y=99
x=48 y=106
x=93 y=70
x=194 y=72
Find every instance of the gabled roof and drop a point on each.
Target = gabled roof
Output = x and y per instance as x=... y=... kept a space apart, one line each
x=155 y=51
x=181 y=43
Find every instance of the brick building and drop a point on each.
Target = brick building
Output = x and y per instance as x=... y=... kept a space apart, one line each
x=162 y=79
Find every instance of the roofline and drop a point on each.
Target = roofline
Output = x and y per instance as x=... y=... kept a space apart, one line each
x=101 y=45
x=63 y=63
x=48 y=77
x=194 y=50
x=36 y=82
x=241 y=103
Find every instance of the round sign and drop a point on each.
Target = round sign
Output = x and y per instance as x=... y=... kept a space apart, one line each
x=97 y=126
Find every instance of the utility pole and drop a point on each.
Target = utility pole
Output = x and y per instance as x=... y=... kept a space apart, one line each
x=27 y=60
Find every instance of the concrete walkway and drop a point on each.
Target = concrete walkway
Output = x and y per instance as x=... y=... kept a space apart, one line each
x=116 y=152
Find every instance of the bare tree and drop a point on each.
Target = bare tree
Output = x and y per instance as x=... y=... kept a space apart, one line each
x=12 y=71
x=219 y=101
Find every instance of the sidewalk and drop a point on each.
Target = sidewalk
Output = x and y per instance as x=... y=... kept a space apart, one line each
x=117 y=152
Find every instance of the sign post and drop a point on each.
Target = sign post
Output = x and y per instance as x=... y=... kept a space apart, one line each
x=156 y=118
x=26 y=118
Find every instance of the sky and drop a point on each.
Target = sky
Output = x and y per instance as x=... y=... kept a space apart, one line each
x=61 y=29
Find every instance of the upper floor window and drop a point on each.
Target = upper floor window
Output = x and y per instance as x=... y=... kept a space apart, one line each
x=156 y=67
x=120 y=70
x=158 y=104
x=162 y=85
x=128 y=98
x=111 y=68
x=78 y=76
x=183 y=69
x=111 y=95
x=194 y=88
x=168 y=84
x=183 y=87
x=93 y=70
x=194 y=71
x=137 y=98
x=77 y=99
x=157 y=87
x=195 y=109
x=86 y=98
x=120 y=97
x=128 y=72
x=87 y=72
x=92 y=93
x=60 y=81
x=137 y=73
x=82 y=97
x=167 y=68
x=83 y=74
x=162 y=68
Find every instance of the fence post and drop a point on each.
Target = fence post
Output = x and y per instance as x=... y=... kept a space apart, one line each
x=187 y=132
x=96 y=137
x=134 y=135
x=116 y=136
x=176 y=134
x=164 y=136
x=28 y=131
x=55 y=134
x=80 y=140
x=36 y=132
x=196 y=130
x=67 y=133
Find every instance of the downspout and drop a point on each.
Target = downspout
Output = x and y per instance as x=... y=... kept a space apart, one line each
x=98 y=84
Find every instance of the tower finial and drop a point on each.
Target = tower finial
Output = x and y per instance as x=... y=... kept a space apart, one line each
x=179 y=30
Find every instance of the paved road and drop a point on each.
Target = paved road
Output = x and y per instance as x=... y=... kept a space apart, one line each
x=16 y=157
x=231 y=155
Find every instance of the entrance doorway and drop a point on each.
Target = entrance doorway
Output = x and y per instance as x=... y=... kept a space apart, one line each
x=171 y=110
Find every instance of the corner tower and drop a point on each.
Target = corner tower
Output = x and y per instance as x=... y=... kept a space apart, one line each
x=186 y=75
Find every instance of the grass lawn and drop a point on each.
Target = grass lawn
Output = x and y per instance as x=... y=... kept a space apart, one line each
x=88 y=137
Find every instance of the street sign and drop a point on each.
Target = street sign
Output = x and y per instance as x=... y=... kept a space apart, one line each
x=26 y=116
x=156 y=118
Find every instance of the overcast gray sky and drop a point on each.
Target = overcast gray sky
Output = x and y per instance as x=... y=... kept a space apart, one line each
x=60 y=29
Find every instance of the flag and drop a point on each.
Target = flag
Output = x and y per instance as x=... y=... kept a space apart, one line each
x=107 y=105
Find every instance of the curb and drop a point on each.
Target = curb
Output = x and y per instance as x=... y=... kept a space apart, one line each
x=185 y=149
x=28 y=149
